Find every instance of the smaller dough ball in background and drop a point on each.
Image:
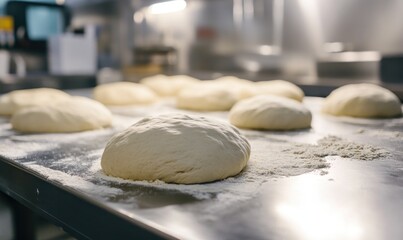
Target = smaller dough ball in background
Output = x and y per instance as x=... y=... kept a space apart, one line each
x=18 y=99
x=73 y=115
x=271 y=113
x=206 y=96
x=279 y=88
x=168 y=86
x=159 y=84
x=176 y=148
x=243 y=88
x=362 y=101
x=124 y=93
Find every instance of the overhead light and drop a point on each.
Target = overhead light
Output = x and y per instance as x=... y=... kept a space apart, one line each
x=138 y=17
x=167 y=7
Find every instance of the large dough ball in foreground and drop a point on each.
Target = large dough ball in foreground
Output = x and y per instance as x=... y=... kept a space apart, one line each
x=124 y=93
x=271 y=113
x=168 y=86
x=206 y=97
x=176 y=148
x=15 y=100
x=73 y=115
x=279 y=88
x=362 y=100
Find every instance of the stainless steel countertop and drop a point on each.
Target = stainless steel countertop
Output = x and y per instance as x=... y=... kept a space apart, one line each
x=354 y=200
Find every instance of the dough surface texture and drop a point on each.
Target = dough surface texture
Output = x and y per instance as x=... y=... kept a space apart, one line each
x=124 y=93
x=241 y=87
x=176 y=148
x=15 y=100
x=73 y=115
x=271 y=113
x=362 y=101
x=168 y=86
x=279 y=88
x=206 y=96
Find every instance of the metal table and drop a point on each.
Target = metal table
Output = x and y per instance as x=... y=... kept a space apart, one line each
x=57 y=176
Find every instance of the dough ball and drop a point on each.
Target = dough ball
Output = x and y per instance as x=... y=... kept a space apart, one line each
x=176 y=148
x=124 y=93
x=242 y=88
x=270 y=112
x=73 y=115
x=363 y=101
x=12 y=101
x=168 y=86
x=206 y=97
x=280 y=88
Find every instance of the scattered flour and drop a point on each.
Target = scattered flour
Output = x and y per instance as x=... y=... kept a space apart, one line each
x=395 y=123
x=381 y=133
x=273 y=155
x=17 y=150
x=270 y=158
x=335 y=146
x=74 y=181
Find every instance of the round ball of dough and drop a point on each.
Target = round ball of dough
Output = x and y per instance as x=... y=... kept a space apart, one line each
x=242 y=88
x=73 y=115
x=279 y=88
x=168 y=86
x=176 y=148
x=206 y=97
x=363 y=101
x=15 y=100
x=271 y=113
x=124 y=93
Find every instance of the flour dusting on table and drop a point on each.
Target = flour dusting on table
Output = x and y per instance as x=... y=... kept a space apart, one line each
x=14 y=150
x=74 y=159
x=74 y=181
x=270 y=158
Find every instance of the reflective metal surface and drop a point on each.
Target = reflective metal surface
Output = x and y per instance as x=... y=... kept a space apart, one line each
x=355 y=200
x=352 y=199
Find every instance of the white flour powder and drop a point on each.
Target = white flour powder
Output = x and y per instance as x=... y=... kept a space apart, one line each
x=381 y=134
x=13 y=150
x=74 y=181
x=270 y=158
x=274 y=154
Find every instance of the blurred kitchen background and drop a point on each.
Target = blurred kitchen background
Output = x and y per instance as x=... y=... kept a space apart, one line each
x=317 y=44
x=314 y=43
